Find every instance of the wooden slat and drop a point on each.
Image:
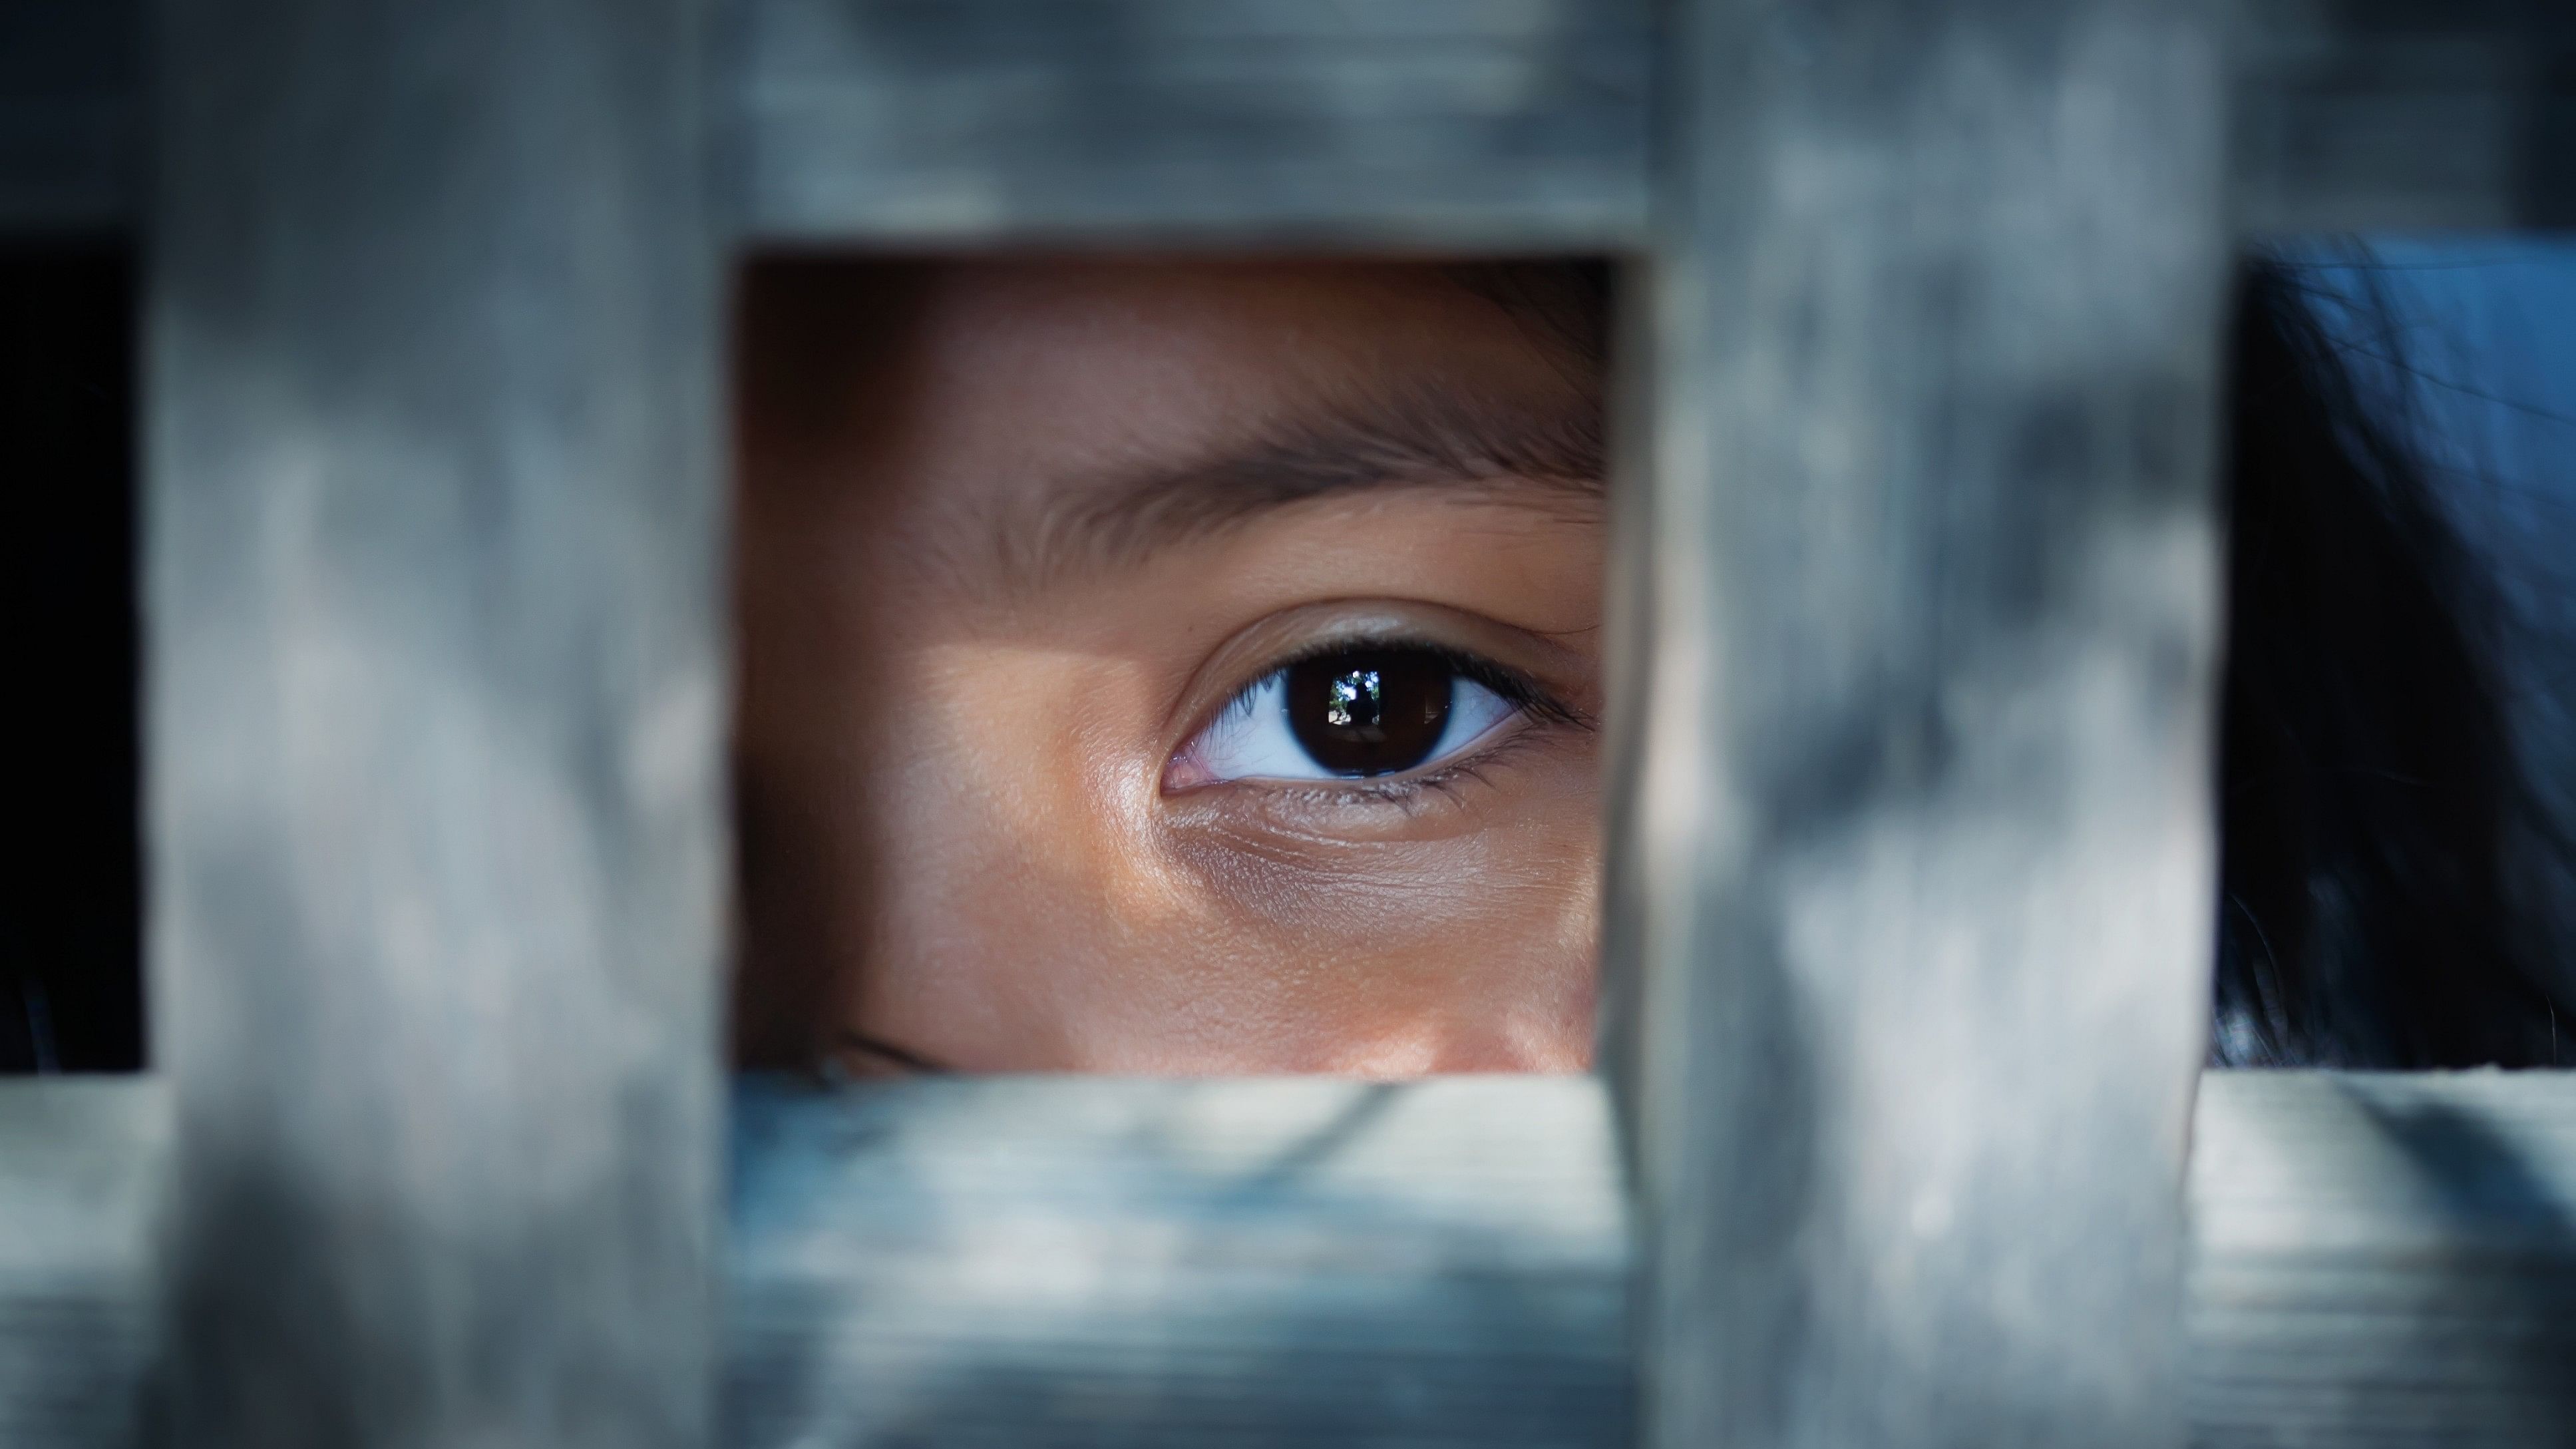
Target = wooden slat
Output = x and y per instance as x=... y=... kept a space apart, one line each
x=1927 y=855
x=1074 y=1262
x=2381 y=1261
x=1449 y=123
x=435 y=798
x=81 y=1166
x=2384 y=1260
x=1435 y=123
x=1428 y=122
x=2403 y=114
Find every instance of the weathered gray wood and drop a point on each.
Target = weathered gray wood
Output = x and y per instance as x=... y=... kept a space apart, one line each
x=1927 y=856
x=69 y=107
x=1439 y=122
x=1280 y=122
x=2381 y=1261
x=81 y=1163
x=433 y=751
x=2384 y=1260
x=2402 y=114
x=1078 y=1262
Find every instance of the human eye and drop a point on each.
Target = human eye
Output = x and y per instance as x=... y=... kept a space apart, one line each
x=1356 y=712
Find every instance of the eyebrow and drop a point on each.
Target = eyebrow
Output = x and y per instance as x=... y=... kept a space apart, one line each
x=1546 y=455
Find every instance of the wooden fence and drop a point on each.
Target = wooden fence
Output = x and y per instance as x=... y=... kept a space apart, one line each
x=1917 y=603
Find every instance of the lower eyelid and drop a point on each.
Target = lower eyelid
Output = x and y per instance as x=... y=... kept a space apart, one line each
x=1496 y=746
x=1454 y=798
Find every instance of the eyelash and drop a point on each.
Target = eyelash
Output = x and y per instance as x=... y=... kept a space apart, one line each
x=1526 y=695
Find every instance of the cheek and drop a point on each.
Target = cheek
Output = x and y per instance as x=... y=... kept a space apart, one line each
x=1037 y=910
x=1475 y=951
x=1016 y=880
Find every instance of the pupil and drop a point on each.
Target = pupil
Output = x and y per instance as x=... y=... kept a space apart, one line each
x=1365 y=712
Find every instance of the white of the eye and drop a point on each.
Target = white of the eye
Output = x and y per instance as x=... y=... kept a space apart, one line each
x=1251 y=739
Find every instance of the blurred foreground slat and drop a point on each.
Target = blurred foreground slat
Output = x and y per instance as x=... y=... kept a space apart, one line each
x=1931 y=545
x=433 y=659
x=2380 y=1260
x=2407 y=114
x=1432 y=122
x=1443 y=123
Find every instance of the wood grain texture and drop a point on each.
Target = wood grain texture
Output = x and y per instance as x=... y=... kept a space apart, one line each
x=1099 y=1262
x=1927 y=853
x=1444 y=123
x=1395 y=122
x=81 y=1165
x=2379 y=1261
x=2402 y=115
x=2384 y=1260
x=434 y=696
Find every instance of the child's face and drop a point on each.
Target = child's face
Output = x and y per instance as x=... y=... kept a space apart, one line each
x=1166 y=668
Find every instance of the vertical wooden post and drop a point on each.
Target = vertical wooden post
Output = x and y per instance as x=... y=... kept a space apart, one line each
x=435 y=702
x=1927 y=858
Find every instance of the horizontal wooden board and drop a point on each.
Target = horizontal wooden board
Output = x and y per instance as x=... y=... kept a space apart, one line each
x=1017 y=1262
x=2385 y=1260
x=1450 y=123
x=2408 y=114
x=2380 y=1260
x=82 y=1162
x=1499 y=124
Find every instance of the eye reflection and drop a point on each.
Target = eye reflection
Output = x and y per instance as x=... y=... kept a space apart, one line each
x=1349 y=714
x=1346 y=691
x=1377 y=712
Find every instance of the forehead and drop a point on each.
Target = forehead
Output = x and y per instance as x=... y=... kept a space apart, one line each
x=1020 y=368
x=1303 y=309
x=991 y=429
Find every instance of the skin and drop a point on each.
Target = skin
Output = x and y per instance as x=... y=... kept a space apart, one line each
x=995 y=573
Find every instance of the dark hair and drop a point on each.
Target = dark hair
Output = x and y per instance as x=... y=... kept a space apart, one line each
x=2369 y=786
x=2370 y=794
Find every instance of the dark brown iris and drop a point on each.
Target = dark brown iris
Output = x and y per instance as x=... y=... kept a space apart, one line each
x=1365 y=712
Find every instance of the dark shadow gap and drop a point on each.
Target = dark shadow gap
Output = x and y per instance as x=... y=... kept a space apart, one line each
x=71 y=995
